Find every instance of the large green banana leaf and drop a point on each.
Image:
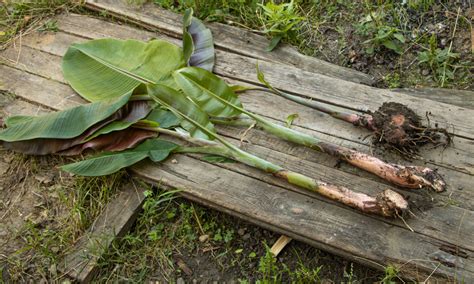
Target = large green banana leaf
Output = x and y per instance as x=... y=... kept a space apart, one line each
x=155 y=149
x=108 y=68
x=64 y=124
x=208 y=91
x=192 y=116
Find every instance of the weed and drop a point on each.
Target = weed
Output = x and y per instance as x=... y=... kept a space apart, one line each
x=268 y=270
x=380 y=33
x=420 y=5
x=51 y=25
x=392 y=80
x=391 y=275
x=442 y=62
x=349 y=275
x=279 y=20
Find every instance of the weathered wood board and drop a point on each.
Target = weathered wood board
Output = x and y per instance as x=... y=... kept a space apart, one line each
x=440 y=243
x=113 y=222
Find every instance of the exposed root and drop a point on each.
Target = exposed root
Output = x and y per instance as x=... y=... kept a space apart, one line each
x=398 y=127
x=404 y=176
x=388 y=203
x=421 y=177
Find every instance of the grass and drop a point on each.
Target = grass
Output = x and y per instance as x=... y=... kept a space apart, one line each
x=19 y=17
x=59 y=210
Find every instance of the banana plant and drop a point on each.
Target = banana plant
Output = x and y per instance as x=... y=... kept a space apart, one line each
x=109 y=76
x=125 y=130
x=139 y=91
x=215 y=97
x=206 y=140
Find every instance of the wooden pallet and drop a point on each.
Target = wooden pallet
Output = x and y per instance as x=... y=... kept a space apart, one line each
x=439 y=245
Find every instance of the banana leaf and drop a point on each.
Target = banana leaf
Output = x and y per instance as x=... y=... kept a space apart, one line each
x=64 y=124
x=114 y=142
x=184 y=108
x=208 y=91
x=119 y=120
x=164 y=118
x=131 y=113
x=109 y=68
x=104 y=164
x=198 y=44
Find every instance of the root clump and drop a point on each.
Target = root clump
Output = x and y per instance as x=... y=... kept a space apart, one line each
x=398 y=127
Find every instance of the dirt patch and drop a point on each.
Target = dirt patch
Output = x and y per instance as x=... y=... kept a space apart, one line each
x=398 y=127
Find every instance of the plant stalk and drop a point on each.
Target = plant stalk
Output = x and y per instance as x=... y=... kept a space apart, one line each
x=360 y=120
x=387 y=203
x=404 y=176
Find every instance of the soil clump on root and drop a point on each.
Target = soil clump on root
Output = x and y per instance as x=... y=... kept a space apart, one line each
x=399 y=128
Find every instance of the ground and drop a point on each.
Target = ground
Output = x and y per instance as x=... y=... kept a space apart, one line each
x=43 y=211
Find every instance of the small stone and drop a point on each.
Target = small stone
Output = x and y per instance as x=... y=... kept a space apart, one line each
x=45 y=179
x=443 y=42
x=425 y=72
x=241 y=231
x=180 y=281
x=203 y=238
x=246 y=236
x=174 y=161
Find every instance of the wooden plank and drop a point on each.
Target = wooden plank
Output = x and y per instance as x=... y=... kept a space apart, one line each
x=439 y=221
x=57 y=44
x=462 y=98
x=317 y=86
x=112 y=223
x=449 y=158
x=456 y=181
x=295 y=209
x=227 y=38
x=328 y=227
